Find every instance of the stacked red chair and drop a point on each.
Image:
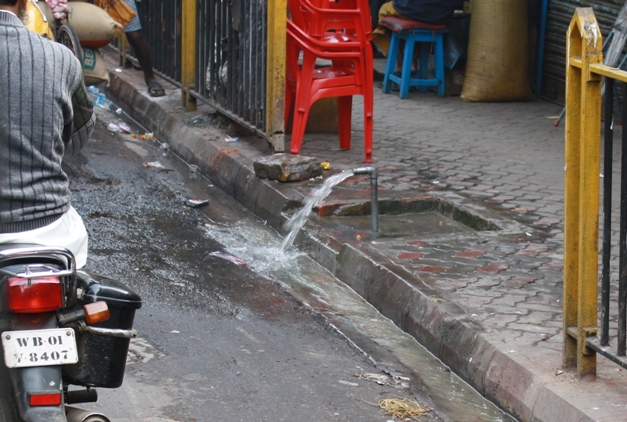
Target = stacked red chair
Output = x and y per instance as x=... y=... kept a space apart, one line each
x=323 y=30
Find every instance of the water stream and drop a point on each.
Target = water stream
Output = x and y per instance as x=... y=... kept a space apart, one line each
x=297 y=221
x=341 y=306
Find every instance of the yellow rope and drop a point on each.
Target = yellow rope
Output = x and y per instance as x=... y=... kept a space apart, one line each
x=403 y=408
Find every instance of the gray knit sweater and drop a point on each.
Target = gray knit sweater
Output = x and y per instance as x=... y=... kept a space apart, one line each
x=44 y=113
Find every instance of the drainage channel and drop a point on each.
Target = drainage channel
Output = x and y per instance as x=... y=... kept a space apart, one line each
x=313 y=285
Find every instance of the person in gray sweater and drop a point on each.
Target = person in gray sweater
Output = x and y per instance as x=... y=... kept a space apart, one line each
x=45 y=114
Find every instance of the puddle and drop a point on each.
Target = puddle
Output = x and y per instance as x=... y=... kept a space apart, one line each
x=396 y=226
x=399 y=218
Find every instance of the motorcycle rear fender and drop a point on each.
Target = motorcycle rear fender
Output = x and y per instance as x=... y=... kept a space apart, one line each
x=38 y=379
x=7 y=401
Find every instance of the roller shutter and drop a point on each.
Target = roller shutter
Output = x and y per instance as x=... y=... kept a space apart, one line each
x=559 y=15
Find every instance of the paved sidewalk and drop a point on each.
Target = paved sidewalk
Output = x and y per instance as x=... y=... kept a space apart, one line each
x=486 y=302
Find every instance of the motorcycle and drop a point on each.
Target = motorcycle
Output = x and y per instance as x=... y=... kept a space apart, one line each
x=64 y=332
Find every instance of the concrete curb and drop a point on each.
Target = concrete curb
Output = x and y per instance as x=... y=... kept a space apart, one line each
x=441 y=327
x=437 y=326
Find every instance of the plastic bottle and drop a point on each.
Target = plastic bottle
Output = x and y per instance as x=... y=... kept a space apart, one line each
x=102 y=101
x=115 y=108
x=193 y=171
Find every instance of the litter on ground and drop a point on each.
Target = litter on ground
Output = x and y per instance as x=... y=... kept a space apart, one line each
x=112 y=127
x=124 y=127
x=402 y=408
x=228 y=257
x=195 y=203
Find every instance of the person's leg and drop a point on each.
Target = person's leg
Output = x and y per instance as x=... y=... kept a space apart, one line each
x=375 y=5
x=142 y=52
x=380 y=35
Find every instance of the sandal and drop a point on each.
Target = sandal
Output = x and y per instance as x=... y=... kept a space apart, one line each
x=155 y=89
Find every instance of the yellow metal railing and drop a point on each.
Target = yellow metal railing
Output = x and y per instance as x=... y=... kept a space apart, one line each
x=188 y=53
x=275 y=93
x=275 y=65
x=581 y=195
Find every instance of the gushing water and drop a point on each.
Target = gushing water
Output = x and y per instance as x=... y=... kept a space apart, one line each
x=298 y=220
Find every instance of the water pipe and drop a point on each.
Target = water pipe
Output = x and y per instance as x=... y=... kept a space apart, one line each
x=374 y=202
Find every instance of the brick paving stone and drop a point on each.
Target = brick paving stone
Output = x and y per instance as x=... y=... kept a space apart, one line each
x=410 y=255
x=544 y=298
x=451 y=285
x=532 y=328
x=536 y=318
x=495 y=267
x=500 y=320
x=518 y=282
x=485 y=283
x=513 y=300
x=432 y=269
x=469 y=253
x=472 y=301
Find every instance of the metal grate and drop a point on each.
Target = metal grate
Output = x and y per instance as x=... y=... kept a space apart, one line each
x=231 y=59
x=161 y=23
x=613 y=310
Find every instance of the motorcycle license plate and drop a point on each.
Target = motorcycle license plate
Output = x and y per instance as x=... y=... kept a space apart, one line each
x=39 y=347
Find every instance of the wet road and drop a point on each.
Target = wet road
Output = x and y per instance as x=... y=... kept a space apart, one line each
x=221 y=341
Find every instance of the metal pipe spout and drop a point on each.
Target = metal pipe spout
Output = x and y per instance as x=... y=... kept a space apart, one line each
x=374 y=200
x=365 y=170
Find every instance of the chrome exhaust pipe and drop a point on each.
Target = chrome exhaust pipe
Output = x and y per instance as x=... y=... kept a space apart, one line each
x=374 y=201
x=74 y=414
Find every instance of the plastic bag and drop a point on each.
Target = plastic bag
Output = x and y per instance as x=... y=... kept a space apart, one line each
x=59 y=8
x=118 y=10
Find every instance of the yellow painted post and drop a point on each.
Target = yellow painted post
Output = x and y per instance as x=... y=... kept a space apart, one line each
x=275 y=74
x=123 y=50
x=571 y=193
x=188 y=53
x=581 y=196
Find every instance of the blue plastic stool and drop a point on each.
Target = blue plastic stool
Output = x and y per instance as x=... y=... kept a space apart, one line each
x=431 y=39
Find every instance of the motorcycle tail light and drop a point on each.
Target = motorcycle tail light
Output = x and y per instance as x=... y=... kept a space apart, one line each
x=44 y=399
x=35 y=295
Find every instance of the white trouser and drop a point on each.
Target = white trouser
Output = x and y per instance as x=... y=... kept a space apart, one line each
x=67 y=232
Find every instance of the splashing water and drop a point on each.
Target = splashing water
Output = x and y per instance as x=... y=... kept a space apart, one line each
x=298 y=220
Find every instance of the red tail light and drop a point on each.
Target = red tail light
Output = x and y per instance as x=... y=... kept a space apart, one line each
x=45 y=399
x=35 y=295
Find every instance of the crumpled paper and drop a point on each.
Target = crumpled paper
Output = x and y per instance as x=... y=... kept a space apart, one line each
x=59 y=8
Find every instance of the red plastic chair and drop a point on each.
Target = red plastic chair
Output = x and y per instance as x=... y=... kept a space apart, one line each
x=338 y=35
x=325 y=17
